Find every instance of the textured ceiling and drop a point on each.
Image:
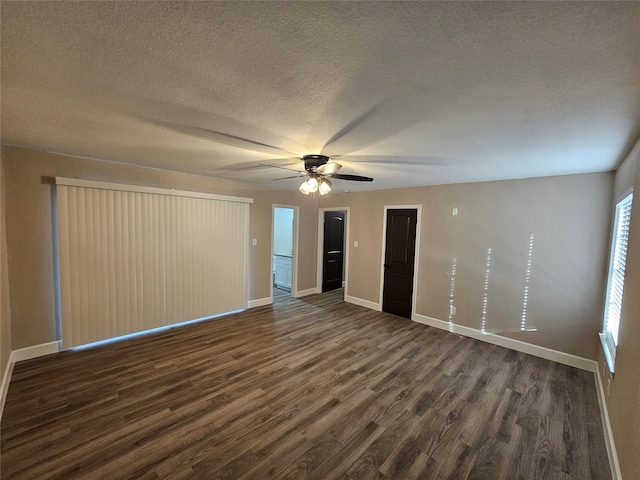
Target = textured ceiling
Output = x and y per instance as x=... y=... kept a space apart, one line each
x=410 y=93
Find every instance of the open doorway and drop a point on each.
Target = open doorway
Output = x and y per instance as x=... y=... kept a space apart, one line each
x=333 y=235
x=284 y=251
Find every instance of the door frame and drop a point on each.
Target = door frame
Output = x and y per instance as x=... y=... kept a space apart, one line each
x=294 y=253
x=320 y=249
x=417 y=253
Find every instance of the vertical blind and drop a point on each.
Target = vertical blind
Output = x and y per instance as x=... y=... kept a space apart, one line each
x=136 y=258
x=613 y=306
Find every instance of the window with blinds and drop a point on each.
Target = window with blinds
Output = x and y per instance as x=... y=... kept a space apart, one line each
x=132 y=259
x=615 y=284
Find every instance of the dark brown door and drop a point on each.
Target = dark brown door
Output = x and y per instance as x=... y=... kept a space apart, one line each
x=399 y=256
x=333 y=255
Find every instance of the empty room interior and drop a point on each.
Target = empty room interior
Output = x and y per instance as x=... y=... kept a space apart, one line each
x=321 y=240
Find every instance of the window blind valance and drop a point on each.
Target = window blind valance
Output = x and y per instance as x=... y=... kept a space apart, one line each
x=76 y=182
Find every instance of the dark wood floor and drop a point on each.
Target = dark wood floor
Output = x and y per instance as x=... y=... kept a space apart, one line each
x=308 y=388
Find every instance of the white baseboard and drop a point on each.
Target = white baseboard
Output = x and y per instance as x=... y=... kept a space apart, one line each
x=616 y=474
x=4 y=386
x=35 y=351
x=304 y=293
x=363 y=303
x=518 y=345
x=259 y=302
x=18 y=356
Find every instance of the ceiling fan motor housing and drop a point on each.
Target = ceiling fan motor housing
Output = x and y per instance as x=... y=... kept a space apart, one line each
x=312 y=162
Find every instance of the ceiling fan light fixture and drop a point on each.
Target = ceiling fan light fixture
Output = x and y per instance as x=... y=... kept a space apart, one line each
x=324 y=187
x=312 y=184
x=304 y=188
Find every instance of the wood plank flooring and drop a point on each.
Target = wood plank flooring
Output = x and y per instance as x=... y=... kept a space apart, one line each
x=307 y=388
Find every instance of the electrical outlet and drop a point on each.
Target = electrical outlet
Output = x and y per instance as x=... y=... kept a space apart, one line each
x=254 y=242
x=355 y=243
x=452 y=310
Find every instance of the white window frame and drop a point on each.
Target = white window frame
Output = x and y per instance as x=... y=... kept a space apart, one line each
x=615 y=282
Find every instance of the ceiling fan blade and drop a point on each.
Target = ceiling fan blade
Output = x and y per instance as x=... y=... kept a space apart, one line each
x=396 y=160
x=287 y=178
x=229 y=139
x=260 y=164
x=282 y=168
x=354 y=178
x=329 y=168
x=220 y=137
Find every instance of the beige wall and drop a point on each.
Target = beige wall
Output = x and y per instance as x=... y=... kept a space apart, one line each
x=5 y=325
x=261 y=219
x=28 y=177
x=623 y=391
x=569 y=217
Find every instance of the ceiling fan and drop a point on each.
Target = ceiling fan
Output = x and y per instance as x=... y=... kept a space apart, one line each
x=320 y=169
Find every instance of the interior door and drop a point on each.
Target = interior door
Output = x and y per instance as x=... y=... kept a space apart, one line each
x=333 y=254
x=399 y=259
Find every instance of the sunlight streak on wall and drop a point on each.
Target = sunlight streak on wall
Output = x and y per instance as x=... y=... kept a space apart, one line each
x=527 y=280
x=452 y=291
x=485 y=295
